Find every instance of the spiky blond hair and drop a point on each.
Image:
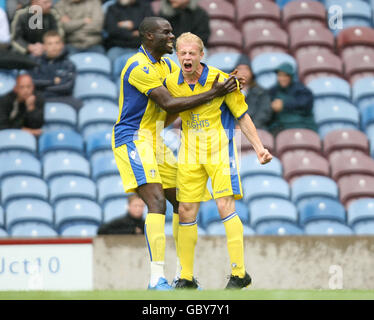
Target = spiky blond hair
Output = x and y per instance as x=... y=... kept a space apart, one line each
x=190 y=37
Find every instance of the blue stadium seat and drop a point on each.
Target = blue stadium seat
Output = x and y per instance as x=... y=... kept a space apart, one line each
x=19 y=164
x=60 y=140
x=29 y=210
x=313 y=186
x=364 y=228
x=171 y=140
x=279 y=228
x=70 y=211
x=249 y=166
x=119 y=64
x=260 y=186
x=104 y=166
x=367 y=118
x=79 y=230
x=88 y=86
x=225 y=61
x=327 y=228
x=267 y=209
x=72 y=187
x=98 y=142
x=110 y=188
x=59 y=116
x=7 y=83
x=63 y=164
x=17 y=140
x=326 y=89
x=321 y=209
x=217 y=228
x=3 y=233
x=91 y=62
x=361 y=210
x=106 y=5
x=334 y=116
x=97 y=115
x=2 y=218
x=363 y=92
x=14 y=188
x=265 y=64
x=114 y=209
x=32 y=230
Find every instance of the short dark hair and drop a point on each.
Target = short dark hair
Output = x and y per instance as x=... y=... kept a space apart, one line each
x=52 y=33
x=149 y=24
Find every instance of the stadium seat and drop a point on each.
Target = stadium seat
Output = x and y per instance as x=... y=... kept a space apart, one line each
x=249 y=166
x=19 y=164
x=359 y=65
x=268 y=209
x=341 y=140
x=364 y=228
x=32 y=230
x=353 y=38
x=259 y=39
x=79 y=230
x=106 y=5
x=65 y=164
x=340 y=115
x=88 y=86
x=265 y=64
x=110 y=188
x=278 y=228
x=70 y=211
x=98 y=143
x=217 y=228
x=255 y=10
x=260 y=186
x=298 y=13
x=225 y=61
x=363 y=92
x=119 y=64
x=327 y=228
x=354 y=187
x=305 y=38
x=29 y=210
x=104 y=166
x=14 y=188
x=72 y=187
x=171 y=138
x=367 y=117
x=226 y=37
x=219 y=9
x=321 y=209
x=327 y=89
x=91 y=62
x=113 y=209
x=354 y=13
x=60 y=140
x=311 y=186
x=312 y=65
x=59 y=116
x=97 y=115
x=7 y=83
x=3 y=233
x=2 y=218
x=300 y=163
x=244 y=146
x=17 y=140
x=361 y=210
x=297 y=139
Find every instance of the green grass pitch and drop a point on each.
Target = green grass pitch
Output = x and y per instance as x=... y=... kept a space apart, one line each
x=250 y=294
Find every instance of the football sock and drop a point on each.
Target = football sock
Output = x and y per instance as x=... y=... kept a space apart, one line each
x=155 y=236
x=187 y=238
x=175 y=236
x=234 y=234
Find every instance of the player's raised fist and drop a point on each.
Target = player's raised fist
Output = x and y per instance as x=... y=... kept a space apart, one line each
x=264 y=156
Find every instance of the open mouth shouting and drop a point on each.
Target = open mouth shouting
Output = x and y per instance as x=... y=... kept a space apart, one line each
x=187 y=66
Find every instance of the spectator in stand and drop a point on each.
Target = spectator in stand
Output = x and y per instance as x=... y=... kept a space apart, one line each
x=55 y=73
x=82 y=21
x=23 y=108
x=291 y=101
x=131 y=223
x=27 y=29
x=13 y=5
x=122 y=21
x=257 y=98
x=186 y=16
x=4 y=29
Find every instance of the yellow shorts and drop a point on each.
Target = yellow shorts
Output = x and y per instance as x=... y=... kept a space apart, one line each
x=139 y=163
x=192 y=177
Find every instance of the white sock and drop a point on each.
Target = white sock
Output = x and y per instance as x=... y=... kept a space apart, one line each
x=157 y=272
x=178 y=270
